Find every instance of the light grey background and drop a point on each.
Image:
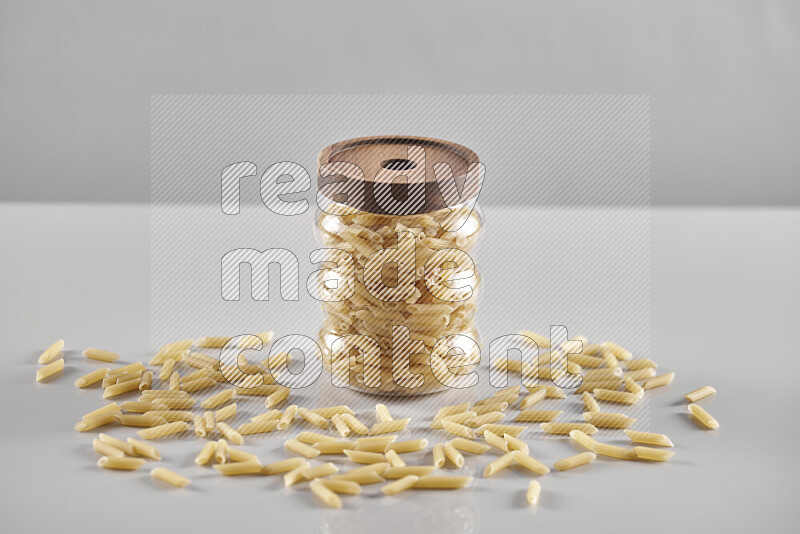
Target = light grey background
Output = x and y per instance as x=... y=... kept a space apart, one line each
x=77 y=78
x=724 y=309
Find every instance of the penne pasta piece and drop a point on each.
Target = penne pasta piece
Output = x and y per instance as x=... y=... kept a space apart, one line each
x=221 y=454
x=340 y=425
x=223 y=414
x=170 y=477
x=516 y=444
x=112 y=409
x=210 y=421
x=589 y=402
x=140 y=420
x=123 y=446
x=574 y=461
x=295 y=475
x=122 y=463
x=438 y=456
x=530 y=463
x=239 y=468
x=313 y=437
x=458 y=430
x=608 y=420
x=649 y=438
x=401 y=484
x=590 y=386
x=310 y=473
x=640 y=363
x=441 y=482
x=613 y=451
x=218 y=399
x=120 y=388
x=329 y=411
x=144 y=449
x=50 y=370
x=238 y=455
x=354 y=424
x=161 y=431
x=659 y=381
x=700 y=393
x=360 y=477
x=326 y=495
x=619 y=397
x=498 y=465
x=514 y=430
x=394 y=459
x=495 y=441
x=534 y=493
x=92 y=378
x=301 y=448
x=52 y=352
x=198 y=384
x=345 y=487
x=653 y=455
x=90 y=423
x=554 y=392
x=640 y=374
x=469 y=446
x=444 y=411
x=455 y=457
x=364 y=457
x=393 y=473
x=284 y=466
x=266 y=416
x=199 y=427
x=171 y=415
x=463 y=418
x=374 y=444
x=334 y=447
x=274 y=399
x=480 y=409
x=566 y=428
x=208 y=452
x=285 y=420
x=313 y=418
x=130 y=368
x=703 y=416
x=230 y=434
x=101 y=355
x=104 y=449
x=382 y=413
x=633 y=387
x=487 y=418
x=259 y=391
x=537 y=416
x=411 y=445
x=146 y=381
x=533 y=398
x=585 y=360
x=602 y=374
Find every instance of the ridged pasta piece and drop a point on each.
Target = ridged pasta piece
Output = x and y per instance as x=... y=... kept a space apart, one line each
x=287 y=418
x=394 y=459
x=206 y=453
x=444 y=411
x=514 y=430
x=90 y=423
x=455 y=457
x=364 y=457
x=294 y=476
x=171 y=415
x=301 y=448
x=649 y=438
x=374 y=443
x=537 y=416
x=313 y=418
x=230 y=433
x=495 y=441
x=458 y=430
x=239 y=468
x=170 y=477
x=266 y=416
x=386 y=427
x=469 y=446
x=480 y=409
x=146 y=381
x=614 y=451
x=700 y=393
x=633 y=387
x=438 y=455
x=566 y=428
x=130 y=368
x=144 y=449
x=495 y=466
x=122 y=463
x=218 y=399
x=640 y=374
x=442 y=482
x=313 y=437
x=703 y=416
x=340 y=425
x=487 y=418
x=608 y=419
x=659 y=381
x=516 y=444
x=589 y=402
x=238 y=455
x=534 y=493
x=104 y=449
x=123 y=446
x=276 y=398
x=325 y=494
x=161 y=431
x=619 y=397
x=51 y=353
x=640 y=363
x=258 y=391
x=591 y=385
x=210 y=421
x=221 y=454
x=329 y=411
x=533 y=398
x=198 y=384
x=283 y=466
x=199 y=426
x=382 y=413
x=345 y=487
x=112 y=408
x=334 y=447
x=411 y=445
x=92 y=378
x=463 y=418
x=402 y=484
x=653 y=455
x=574 y=461
x=101 y=355
x=50 y=370
x=530 y=463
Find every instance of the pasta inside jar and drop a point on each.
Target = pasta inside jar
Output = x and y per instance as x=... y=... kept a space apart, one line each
x=399 y=302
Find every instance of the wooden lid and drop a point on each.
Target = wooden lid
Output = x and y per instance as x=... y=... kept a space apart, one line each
x=397 y=173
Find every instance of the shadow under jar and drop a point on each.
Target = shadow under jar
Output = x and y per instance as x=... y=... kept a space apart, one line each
x=398 y=284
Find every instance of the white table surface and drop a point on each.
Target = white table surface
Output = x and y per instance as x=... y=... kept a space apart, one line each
x=724 y=311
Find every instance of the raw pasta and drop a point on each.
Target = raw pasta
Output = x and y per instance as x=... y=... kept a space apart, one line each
x=170 y=477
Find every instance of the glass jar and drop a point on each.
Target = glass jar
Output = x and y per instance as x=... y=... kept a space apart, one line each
x=399 y=286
